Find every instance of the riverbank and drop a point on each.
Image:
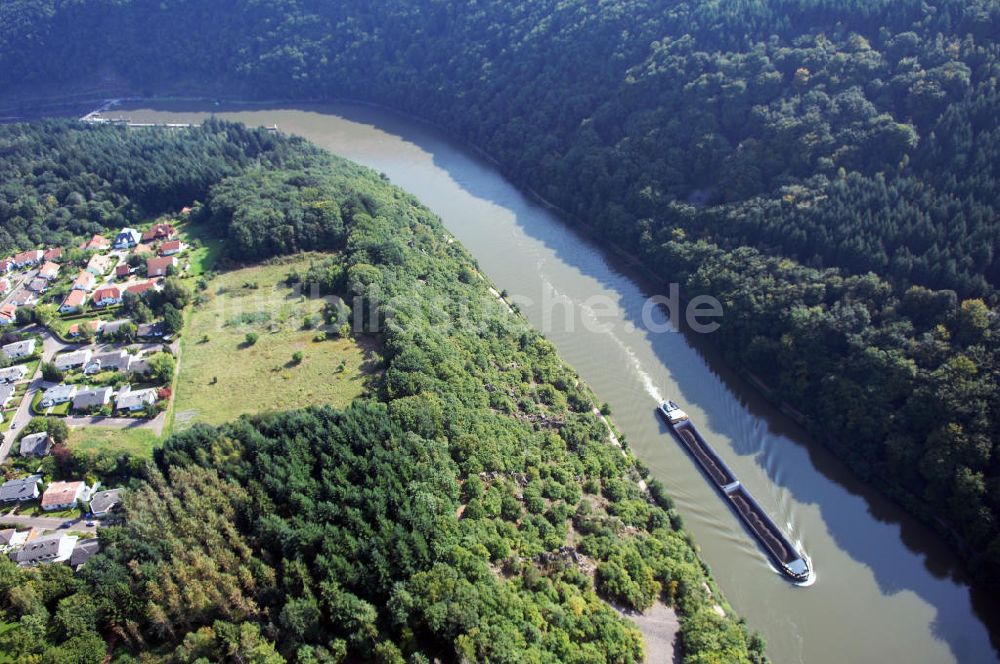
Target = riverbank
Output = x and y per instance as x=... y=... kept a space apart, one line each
x=907 y=500
x=878 y=565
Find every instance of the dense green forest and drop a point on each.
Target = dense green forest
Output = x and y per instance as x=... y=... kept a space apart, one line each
x=473 y=508
x=829 y=170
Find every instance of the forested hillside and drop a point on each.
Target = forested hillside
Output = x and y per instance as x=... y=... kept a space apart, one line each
x=828 y=170
x=473 y=509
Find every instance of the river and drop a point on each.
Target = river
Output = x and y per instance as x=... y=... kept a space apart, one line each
x=886 y=590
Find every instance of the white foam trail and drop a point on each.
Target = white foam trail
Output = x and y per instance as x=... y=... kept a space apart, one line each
x=647 y=381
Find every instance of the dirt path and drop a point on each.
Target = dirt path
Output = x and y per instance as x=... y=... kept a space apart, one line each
x=659 y=627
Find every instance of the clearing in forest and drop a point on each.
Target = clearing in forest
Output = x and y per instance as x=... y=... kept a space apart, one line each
x=95 y=440
x=252 y=345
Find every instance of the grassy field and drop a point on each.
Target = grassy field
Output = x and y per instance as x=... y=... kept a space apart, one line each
x=222 y=376
x=139 y=442
x=202 y=258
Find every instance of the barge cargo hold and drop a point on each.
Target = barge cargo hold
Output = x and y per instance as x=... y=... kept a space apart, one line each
x=784 y=554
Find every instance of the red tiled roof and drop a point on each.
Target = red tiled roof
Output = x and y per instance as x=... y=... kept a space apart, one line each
x=172 y=245
x=97 y=242
x=26 y=256
x=122 y=270
x=75 y=299
x=8 y=311
x=156 y=266
x=84 y=279
x=74 y=329
x=158 y=231
x=50 y=269
x=141 y=288
x=53 y=253
x=61 y=493
x=107 y=293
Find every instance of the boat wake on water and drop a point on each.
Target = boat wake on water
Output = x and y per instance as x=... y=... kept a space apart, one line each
x=790 y=560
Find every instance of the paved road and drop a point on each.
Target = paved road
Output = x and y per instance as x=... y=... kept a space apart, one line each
x=17 y=285
x=76 y=524
x=50 y=346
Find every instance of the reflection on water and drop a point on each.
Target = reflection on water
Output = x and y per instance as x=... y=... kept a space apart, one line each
x=887 y=589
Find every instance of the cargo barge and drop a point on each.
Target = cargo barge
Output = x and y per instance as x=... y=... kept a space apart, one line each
x=784 y=554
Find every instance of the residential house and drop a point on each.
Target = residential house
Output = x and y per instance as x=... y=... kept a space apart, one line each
x=49 y=271
x=73 y=359
x=138 y=364
x=20 y=490
x=23 y=298
x=36 y=444
x=26 y=258
x=99 y=264
x=96 y=243
x=11 y=539
x=159 y=232
x=123 y=270
x=38 y=285
x=84 y=550
x=4 y=284
x=13 y=374
x=150 y=330
x=127 y=238
x=107 y=296
x=6 y=265
x=93 y=325
x=19 y=349
x=6 y=394
x=85 y=281
x=8 y=314
x=171 y=247
x=111 y=327
x=56 y=395
x=44 y=550
x=135 y=400
x=92 y=399
x=141 y=288
x=73 y=302
x=117 y=360
x=63 y=495
x=103 y=502
x=159 y=267
x=53 y=254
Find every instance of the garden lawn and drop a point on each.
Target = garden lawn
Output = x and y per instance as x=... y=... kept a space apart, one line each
x=202 y=259
x=223 y=377
x=135 y=441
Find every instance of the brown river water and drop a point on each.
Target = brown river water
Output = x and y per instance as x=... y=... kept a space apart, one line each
x=886 y=589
